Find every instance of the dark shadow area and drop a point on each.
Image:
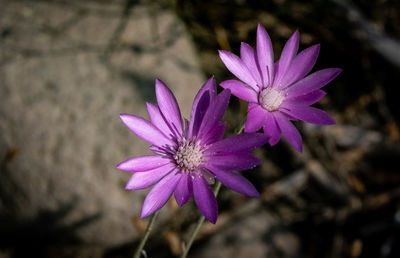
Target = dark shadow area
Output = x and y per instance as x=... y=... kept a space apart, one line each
x=145 y=85
x=34 y=237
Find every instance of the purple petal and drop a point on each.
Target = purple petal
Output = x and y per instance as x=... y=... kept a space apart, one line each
x=143 y=163
x=237 y=143
x=141 y=180
x=255 y=118
x=301 y=65
x=206 y=94
x=310 y=115
x=183 y=190
x=289 y=131
x=201 y=110
x=160 y=194
x=313 y=82
x=205 y=199
x=235 y=182
x=288 y=53
x=157 y=119
x=265 y=55
x=169 y=107
x=305 y=99
x=240 y=90
x=248 y=55
x=237 y=67
x=271 y=129
x=233 y=161
x=214 y=113
x=215 y=134
x=145 y=130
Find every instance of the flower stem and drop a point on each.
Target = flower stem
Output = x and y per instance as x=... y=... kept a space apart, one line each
x=240 y=129
x=139 y=249
x=198 y=225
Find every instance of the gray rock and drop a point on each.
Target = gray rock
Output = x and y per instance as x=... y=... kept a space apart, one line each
x=66 y=72
x=257 y=235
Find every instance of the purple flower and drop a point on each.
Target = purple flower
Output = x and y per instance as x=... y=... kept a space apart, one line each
x=190 y=155
x=278 y=92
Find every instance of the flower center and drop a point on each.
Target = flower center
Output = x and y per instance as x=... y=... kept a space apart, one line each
x=270 y=99
x=188 y=155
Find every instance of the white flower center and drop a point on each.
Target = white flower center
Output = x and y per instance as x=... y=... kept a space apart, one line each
x=270 y=99
x=188 y=155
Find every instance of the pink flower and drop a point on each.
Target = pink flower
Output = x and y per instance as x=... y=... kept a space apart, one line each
x=278 y=92
x=189 y=156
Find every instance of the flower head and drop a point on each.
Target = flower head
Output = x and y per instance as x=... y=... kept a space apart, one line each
x=189 y=156
x=280 y=91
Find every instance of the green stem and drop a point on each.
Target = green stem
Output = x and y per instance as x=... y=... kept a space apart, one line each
x=139 y=249
x=240 y=129
x=198 y=225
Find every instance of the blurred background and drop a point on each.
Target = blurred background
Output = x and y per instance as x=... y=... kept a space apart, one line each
x=68 y=68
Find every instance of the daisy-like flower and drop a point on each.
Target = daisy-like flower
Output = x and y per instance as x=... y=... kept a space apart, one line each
x=189 y=155
x=278 y=92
